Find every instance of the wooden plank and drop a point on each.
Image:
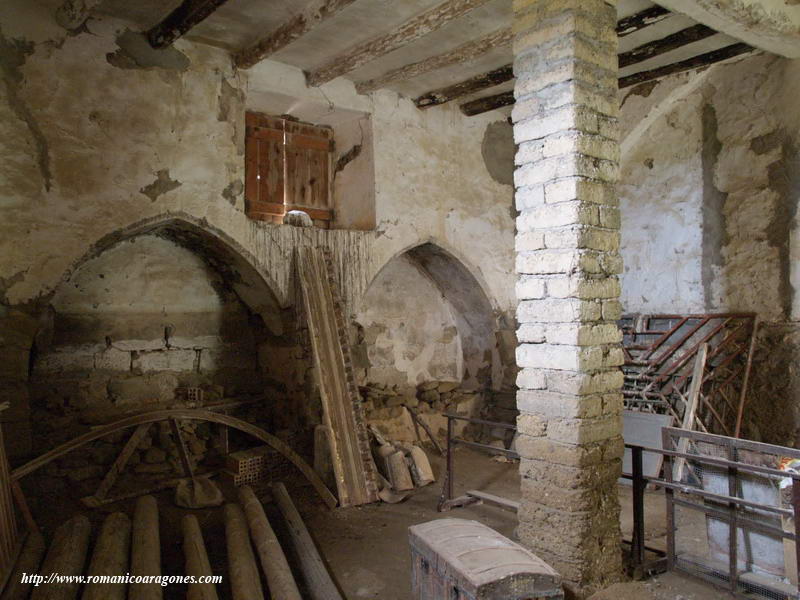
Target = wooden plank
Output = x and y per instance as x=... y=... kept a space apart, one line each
x=696 y=62
x=291 y=30
x=690 y=410
x=177 y=23
x=122 y=460
x=466 y=87
x=482 y=105
x=411 y=30
x=356 y=476
x=665 y=44
x=641 y=20
x=318 y=580
x=279 y=576
x=464 y=53
x=511 y=505
x=190 y=414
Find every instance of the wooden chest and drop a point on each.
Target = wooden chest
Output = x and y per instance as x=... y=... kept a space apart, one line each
x=456 y=559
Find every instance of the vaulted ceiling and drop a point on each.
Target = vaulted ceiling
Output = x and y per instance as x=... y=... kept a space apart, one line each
x=418 y=48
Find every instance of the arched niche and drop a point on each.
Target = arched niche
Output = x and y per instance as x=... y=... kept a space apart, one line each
x=164 y=304
x=425 y=317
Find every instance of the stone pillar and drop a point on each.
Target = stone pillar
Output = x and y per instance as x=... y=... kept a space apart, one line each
x=568 y=262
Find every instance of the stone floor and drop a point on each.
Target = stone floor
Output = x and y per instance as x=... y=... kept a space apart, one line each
x=368 y=552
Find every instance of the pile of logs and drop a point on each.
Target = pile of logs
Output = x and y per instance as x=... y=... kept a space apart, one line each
x=133 y=547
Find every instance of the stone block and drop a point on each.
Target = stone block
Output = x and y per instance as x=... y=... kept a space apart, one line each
x=585 y=431
x=530 y=288
x=528 y=197
x=529 y=240
x=582 y=384
x=558 y=215
x=555 y=406
x=532 y=425
x=583 y=287
x=532 y=333
x=580 y=188
x=580 y=334
x=558 y=310
x=530 y=379
x=164 y=360
x=557 y=453
x=112 y=359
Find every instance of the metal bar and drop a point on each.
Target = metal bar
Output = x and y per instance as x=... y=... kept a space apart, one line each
x=480 y=421
x=733 y=534
x=666 y=442
x=639 y=484
x=740 y=443
x=186 y=462
x=742 y=523
x=657 y=344
x=486 y=447
x=449 y=482
x=796 y=507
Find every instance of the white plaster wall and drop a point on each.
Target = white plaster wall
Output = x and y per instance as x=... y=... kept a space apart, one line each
x=669 y=265
x=660 y=205
x=409 y=328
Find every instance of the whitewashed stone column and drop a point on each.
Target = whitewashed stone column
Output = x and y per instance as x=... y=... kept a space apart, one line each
x=568 y=262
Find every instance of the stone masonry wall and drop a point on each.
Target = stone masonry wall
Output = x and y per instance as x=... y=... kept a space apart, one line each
x=565 y=122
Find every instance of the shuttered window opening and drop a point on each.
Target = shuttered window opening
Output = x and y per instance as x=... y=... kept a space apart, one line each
x=287 y=167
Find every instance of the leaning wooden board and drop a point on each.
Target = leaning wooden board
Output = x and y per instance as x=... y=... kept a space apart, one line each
x=356 y=475
x=643 y=429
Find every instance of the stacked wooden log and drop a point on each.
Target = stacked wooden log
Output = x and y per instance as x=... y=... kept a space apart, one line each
x=124 y=546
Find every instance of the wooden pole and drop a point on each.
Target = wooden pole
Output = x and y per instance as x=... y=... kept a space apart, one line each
x=273 y=561
x=245 y=581
x=197 y=564
x=28 y=562
x=145 y=549
x=110 y=557
x=318 y=580
x=690 y=409
x=66 y=556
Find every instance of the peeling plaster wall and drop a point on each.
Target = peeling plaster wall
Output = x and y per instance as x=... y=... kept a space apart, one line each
x=710 y=190
x=409 y=329
x=101 y=139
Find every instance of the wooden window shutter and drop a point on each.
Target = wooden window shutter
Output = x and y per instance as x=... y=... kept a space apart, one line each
x=309 y=152
x=264 y=168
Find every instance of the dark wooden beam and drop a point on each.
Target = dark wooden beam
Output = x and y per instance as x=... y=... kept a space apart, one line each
x=664 y=45
x=464 y=53
x=482 y=105
x=188 y=14
x=505 y=73
x=696 y=62
x=297 y=26
x=466 y=87
x=409 y=31
x=640 y=20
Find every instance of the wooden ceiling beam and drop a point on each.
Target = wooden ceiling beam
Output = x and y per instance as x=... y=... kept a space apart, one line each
x=411 y=30
x=701 y=60
x=625 y=27
x=466 y=87
x=294 y=28
x=637 y=22
x=177 y=23
x=482 y=105
x=464 y=53
x=664 y=45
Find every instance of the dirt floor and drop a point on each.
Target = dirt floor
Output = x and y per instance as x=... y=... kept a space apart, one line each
x=367 y=549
